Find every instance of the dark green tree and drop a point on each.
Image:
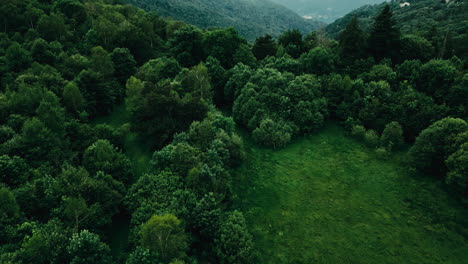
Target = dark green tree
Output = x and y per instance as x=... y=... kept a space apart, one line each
x=352 y=42
x=86 y=248
x=384 y=39
x=264 y=46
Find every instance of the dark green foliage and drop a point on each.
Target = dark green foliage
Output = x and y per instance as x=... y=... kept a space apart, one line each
x=318 y=61
x=264 y=46
x=293 y=43
x=233 y=242
x=436 y=143
x=164 y=234
x=352 y=42
x=384 y=39
x=273 y=134
x=392 y=136
x=124 y=64
x=86 y=247
x=223 y=44
x=103 y=156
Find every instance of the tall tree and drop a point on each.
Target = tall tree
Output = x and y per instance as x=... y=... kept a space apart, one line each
x=384 y=40
x=264 y=46
x=352 y=42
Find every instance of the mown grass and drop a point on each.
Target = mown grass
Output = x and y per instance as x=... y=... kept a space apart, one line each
x=329 y=199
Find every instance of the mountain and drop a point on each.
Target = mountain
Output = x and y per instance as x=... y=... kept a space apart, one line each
x=252 y=18
x=324 y=10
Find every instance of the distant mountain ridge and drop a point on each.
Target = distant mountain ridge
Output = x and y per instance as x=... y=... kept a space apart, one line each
x=325 y=10
x=252 y=18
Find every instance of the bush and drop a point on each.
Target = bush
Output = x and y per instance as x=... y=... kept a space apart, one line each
x=371 y=138
x=272 y=134
x=392 y=136
x=358 y=132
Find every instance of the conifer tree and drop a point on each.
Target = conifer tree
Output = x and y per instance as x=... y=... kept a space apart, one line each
x=352 y=41
x=384 y=40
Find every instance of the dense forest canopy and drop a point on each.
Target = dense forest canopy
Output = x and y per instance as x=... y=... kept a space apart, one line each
x=252 y=18
x=65 y=177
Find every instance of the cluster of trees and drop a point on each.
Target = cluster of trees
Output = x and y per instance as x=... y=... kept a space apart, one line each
x=185 y=197
x=63 y=178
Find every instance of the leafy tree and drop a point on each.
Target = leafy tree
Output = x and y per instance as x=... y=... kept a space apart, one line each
x=457 y=165
x=124 y=64
x=100 y=94
x=371 y=138
x=435 y=144
x=186 y=44
x=142 y=256
x=271 y=133
x=436 y=79
x=392 y=136
x=14 y=171
x=384 y=40
x=52 y=27
x=17 y=57
x=73 y=99
x=244 y=55
x=352 y=42
x=47 y=244
x=416 y=47
x=134 y=94
x=42 y=52
x=197 y=82
x=318 y=61
x=234 y=243
x=264 y=46
x=9 y=214
x=73 y=9
x=158 y=69
x=293 y=43
x=51 y=113
x=103 y=156
x=86 y=247
x=164 y=234
x=222 y=44
x=239 y=76
x=153 y=192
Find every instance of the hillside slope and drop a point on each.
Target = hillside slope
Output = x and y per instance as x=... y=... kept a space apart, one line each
x=327 y=11
x=419 y=17
x=252 y=18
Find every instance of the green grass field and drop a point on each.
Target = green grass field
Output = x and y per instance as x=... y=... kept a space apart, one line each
x=329 y=199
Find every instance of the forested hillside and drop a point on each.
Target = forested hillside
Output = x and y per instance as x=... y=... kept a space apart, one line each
x=443 y=22
x=86 y=86
x=252 y=18
x=327 y=11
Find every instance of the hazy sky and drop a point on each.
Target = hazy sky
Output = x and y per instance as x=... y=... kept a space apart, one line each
x=325 y=10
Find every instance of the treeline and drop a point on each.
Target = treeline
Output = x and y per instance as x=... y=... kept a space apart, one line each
x=63 y=63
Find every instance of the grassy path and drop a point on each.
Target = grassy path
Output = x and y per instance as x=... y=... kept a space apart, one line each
x=140 y=155
x=328 y=199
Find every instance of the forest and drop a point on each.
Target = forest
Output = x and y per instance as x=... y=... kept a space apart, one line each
x=128 y=137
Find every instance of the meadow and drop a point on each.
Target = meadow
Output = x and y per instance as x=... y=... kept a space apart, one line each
x=327 y=198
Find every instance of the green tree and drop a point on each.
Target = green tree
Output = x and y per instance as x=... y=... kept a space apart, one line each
x=103 y=156
x=319 y=61
x=264 y=46
x=52 y=27
x=416 y=47
x=142 y=256
x=17 y=57
x=164 y=234
x=233 y=243
x=352 y=42
x=392 y=136
x=14 y=171
x=134 y=94
x=271 y=133
x=86 y=248
x=124 y=64
x=73 y=99
x=101 y=62
x=457 y=165
x=435 y=144
x=244 y=55
x=293 y=43
x=222 y=44
x=384 y=40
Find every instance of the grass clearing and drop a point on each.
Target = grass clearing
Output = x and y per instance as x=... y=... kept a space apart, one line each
x=329 y=199
x=140 y=155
